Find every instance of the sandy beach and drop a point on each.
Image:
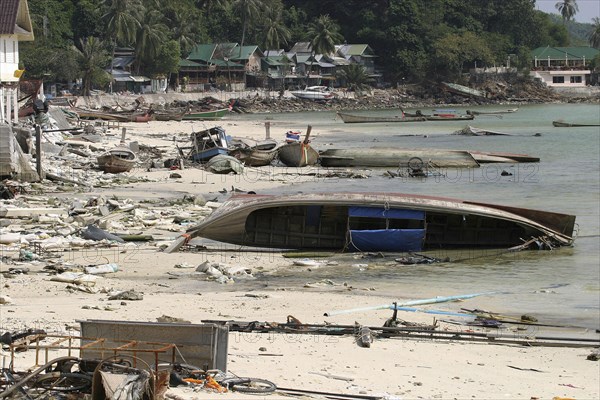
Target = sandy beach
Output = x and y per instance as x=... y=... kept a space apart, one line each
x=392 y=368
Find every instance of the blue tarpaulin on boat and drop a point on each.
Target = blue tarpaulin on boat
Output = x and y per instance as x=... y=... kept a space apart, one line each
x=376 y=212
x=387 y=240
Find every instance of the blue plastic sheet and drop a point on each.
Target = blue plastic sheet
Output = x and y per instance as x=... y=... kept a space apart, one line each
x=387 y=240
x=394 y=213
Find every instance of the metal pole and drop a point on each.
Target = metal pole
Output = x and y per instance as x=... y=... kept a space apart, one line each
x=38 y=151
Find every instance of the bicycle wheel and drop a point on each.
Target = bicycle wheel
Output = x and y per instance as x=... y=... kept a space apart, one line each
x=249 y=385
x=63 y=382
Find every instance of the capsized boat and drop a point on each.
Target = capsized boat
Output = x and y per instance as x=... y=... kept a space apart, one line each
x=119 y=159
x=380 y=222
x=396 y=157
x=400 y=157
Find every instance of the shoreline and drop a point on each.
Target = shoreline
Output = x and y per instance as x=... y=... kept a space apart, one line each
x=391 y=368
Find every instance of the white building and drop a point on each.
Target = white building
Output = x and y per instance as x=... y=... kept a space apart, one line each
x=15 y=26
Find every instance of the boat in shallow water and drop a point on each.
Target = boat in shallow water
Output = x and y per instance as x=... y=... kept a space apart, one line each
x=381 y=222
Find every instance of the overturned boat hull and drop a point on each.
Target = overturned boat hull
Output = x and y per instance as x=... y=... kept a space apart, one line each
x=380 y=222
x=390 y=157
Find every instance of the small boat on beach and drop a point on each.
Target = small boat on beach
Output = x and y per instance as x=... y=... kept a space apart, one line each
x=169 y=115
x=314 y=93
x=207 y=144
x=356 y=118
x=298 y=154
x=119 y=159
x=390 y=222
x=205 y=115
x=254 y=153
x=562 y=124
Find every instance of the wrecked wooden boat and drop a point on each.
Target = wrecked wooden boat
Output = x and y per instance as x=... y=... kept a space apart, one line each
x=254 y=153
x=463 y=90
x=119 y=159
x=205 y=115
x=169 y=115
x=562 y=124
x=253 y=157
x=298 y=154
x=355 y=118
x=207 y=144
x=419 y=158
x=381 y=222
x=396 y=157
x=472 y=131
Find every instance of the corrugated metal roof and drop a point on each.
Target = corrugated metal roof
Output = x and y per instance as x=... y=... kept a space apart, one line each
x=363 y=50
x=8 y=16
x=122 y=62
x=203 y=52
x=189 y=63
x=562 y=53
x=246 y=51
x=301 y=47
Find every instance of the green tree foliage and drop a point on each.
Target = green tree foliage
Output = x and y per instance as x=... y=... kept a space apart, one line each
x=594 y=37
x=122 y=20
x=324 y=34
x=355 y=78
x=276 y=33
x=92 y=59
x=454 y=52
x=567 y=8
x=247 y=10
x=406 y=35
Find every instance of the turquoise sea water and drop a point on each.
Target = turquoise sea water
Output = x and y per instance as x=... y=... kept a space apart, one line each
x=560 y=286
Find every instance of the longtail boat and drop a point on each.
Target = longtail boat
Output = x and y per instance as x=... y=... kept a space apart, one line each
x=205 y=115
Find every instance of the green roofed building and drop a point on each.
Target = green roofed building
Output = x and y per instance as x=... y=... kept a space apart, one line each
x=563 y=66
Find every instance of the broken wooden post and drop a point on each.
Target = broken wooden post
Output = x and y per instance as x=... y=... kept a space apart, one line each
x=268 y=130
x=123 y=132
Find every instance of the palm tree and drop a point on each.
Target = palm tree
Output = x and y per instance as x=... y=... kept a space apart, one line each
x=121 y=19
x=325 y=34
x=149 y=37
x=92 y=56
x=247 y=10
x=356 y=77
x=208 y=5
x=567 y=8
x=276 y=32
x=184 y=30
x=594 y=36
